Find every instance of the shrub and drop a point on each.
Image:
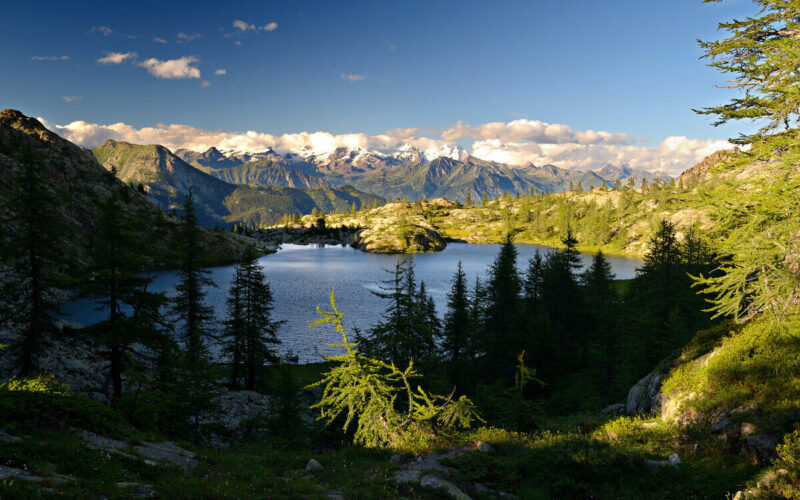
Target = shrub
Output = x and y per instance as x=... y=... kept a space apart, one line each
x=379 y=399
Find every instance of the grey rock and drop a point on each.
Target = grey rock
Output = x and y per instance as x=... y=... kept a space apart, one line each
x=431 y=481
x=720 y=424
x=485 y=448
x=407 y=476
x=137 y=490
x=8 y=438
x=482 y=489
x=313 y=466
x=746 y=429
x=152 y=453
x=641 y=395
x=99 y=397
x=764 y=446
x=656 y=465
x=614 y=410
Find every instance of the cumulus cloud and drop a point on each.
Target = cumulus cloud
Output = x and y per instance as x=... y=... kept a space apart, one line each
x=172 y=68
x=159 y=40
x=117 y=57
x=71 y=98
x=673 y=155
x=221 y=72
x=352 y=77
x=562 y=147
x=525 y=130
x=243 y=26
x=50 y=58
x=205 y=84
x=270 y=27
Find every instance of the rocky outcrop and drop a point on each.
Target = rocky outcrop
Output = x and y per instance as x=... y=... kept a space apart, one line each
x=644 y=396
x=165 y=452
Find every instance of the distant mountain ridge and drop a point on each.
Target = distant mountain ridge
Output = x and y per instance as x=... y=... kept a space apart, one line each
x=406 y=172
x=81 y=185
x=166 y=179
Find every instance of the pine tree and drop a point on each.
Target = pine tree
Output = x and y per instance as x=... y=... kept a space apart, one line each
x=504 y=338
x=195 y=322
x=603 y=308
x=117 y=282
x=562 y=299
x=457 y=326
x=250 y=330
x=35 y=257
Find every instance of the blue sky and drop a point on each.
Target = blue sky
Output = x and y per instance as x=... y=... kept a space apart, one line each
x=620 y=66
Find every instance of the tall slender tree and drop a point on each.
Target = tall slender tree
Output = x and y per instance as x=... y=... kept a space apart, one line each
x=250 y=330
x=33 y=275
x=457 y=325
x=195 y=319
x=116 y=281
x=504 y=338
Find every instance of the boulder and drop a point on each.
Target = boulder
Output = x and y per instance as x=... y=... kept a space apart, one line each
x=642 y=394
x=431 y=481
x=614 y=410
x=764 y=446
x=485 y=448
x=313 y=466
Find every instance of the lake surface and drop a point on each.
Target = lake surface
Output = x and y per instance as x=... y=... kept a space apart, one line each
x=302 y=277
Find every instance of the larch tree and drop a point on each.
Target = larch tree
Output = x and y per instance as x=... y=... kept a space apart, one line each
x=33 y=276
x=195 y=320
x=760 y=56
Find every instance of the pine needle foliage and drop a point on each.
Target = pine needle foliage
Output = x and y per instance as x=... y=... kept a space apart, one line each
x=379 y=400
x=761 y=55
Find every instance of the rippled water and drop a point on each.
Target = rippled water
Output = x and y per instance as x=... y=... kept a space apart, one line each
x=302 y=278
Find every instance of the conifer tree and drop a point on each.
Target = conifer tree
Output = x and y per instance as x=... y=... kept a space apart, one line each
x=603 y=309
x=36 y=257
x=117 y=282
x=759 y=57
x=195 y=319
x=457 y=325
x=504 y=337
x=250 y=331
x=563 y=301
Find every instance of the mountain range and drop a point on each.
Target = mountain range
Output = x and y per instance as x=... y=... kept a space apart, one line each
x=406 y=172
x=166 y=179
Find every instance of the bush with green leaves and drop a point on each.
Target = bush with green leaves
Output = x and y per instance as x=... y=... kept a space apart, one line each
x=379 y=399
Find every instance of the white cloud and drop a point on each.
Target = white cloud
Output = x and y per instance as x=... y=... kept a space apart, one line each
x=673 y=155
x=71 y=98
x=525 y=130
x=117 y=57
x=187 y=37
x=205 y=84
x=221 y=72
x=159 y=40
x=105 y=30
x=243 y=26
x=50 y=58
x=352 y=77
x=172 y=68
x=561 y=146
x=392 y=47
x=270 y=27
